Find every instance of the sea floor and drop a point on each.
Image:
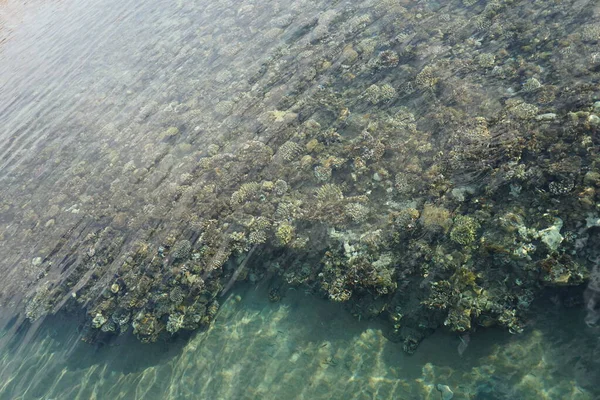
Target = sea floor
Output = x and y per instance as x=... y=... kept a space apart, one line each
x=302 y=348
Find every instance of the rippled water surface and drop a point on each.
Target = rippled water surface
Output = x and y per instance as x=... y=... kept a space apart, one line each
x=300 y=348
x=393 y=199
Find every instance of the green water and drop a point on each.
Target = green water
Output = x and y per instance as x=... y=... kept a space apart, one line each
x=301 y=348
x=310 y=199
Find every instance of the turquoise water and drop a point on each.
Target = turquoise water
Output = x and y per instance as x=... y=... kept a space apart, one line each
x=309 y=199
x=302 y=348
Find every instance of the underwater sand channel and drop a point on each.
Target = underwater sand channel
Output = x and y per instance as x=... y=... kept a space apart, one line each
x=300 y=348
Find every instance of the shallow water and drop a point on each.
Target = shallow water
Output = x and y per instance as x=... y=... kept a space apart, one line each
x=390 y=174
x=302 y=348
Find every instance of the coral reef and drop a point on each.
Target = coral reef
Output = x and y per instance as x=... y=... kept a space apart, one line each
x=435 y=166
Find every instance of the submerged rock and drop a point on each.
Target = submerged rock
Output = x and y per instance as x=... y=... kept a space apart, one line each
x=551 y=236
x=447 y=393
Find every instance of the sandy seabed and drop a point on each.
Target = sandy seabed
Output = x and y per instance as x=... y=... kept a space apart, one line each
x=299 y=348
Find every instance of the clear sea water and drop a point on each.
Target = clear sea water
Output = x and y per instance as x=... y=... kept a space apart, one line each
x=303 y=348
x=108 y=107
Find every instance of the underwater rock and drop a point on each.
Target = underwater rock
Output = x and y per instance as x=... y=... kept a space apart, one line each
x=562 y=271
x=447 y=393
x=592 y=221
x=546 y=117
x=551 y=236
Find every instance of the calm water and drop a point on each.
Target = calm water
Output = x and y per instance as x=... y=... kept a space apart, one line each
x=302 y=348
x=309 y=199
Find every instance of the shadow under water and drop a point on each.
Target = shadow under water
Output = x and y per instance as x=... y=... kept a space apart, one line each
x=303 y=348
